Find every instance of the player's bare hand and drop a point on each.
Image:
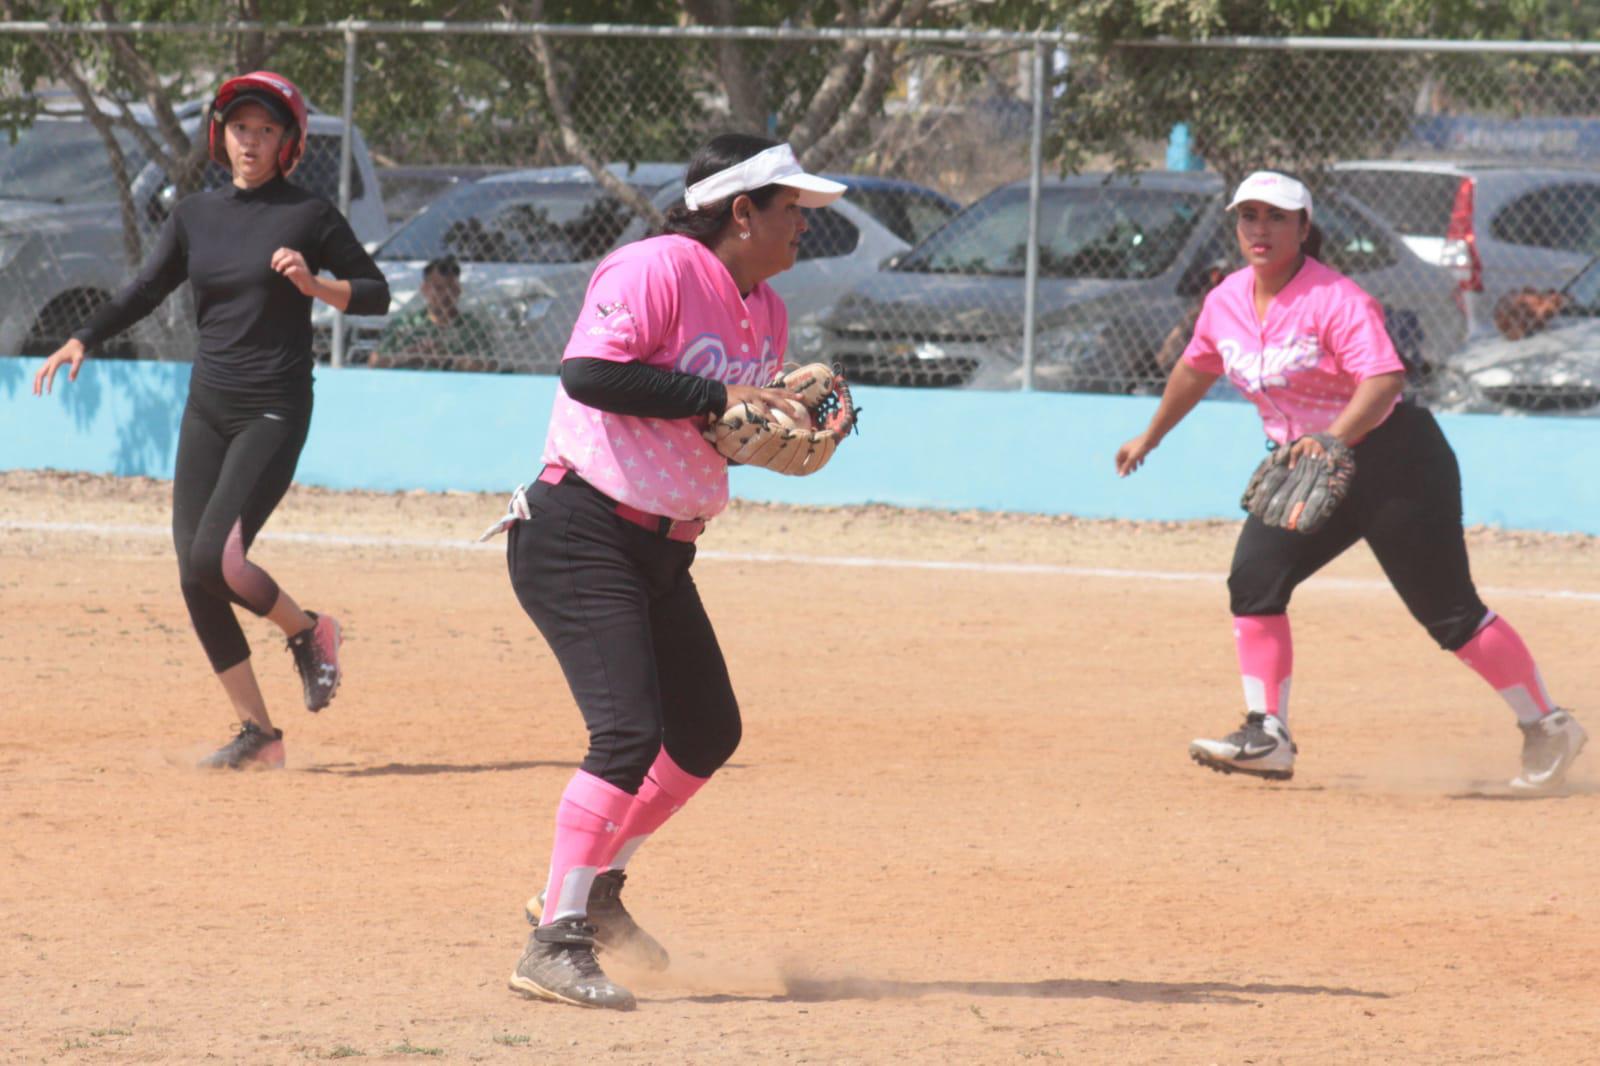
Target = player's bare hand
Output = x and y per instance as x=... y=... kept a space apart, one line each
x=1130 y=456
x=764 y=400
x=1303 y=447
x=292 y=265
x=69 y=353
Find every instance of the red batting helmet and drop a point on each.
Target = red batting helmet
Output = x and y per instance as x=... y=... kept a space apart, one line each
x=279 y=96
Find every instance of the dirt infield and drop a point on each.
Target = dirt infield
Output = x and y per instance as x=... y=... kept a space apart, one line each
x=961 y=827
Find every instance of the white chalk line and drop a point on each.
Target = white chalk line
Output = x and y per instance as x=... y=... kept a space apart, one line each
x=857 y=562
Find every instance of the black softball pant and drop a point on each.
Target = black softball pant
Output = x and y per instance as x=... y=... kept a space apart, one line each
x=1406 y=502
x=236 y=456
x=621 y=613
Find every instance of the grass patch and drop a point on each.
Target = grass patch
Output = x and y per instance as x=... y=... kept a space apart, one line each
x=345 y=1051
x=408 y=1048
x=512 y=1039
x=110 y=1032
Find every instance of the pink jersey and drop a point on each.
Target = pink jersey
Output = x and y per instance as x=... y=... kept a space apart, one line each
x=669 y=302
x=1323 y=336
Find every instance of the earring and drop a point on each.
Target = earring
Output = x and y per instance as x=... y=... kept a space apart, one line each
x=744 y=235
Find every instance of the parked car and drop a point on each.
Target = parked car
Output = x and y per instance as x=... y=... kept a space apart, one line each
x=1497 y=226
x=408 y=189
x=1122 y=261
x=1554 y=369
x=554 y=224
x=910 y=211
x=61 y=243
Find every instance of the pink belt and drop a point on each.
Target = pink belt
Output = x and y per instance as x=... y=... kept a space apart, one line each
x=680 y=529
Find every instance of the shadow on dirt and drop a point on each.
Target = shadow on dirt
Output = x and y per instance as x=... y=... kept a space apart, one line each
x=420 y=769
x=828 y=990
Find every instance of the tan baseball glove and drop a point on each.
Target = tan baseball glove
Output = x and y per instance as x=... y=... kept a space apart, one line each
x=787 y=441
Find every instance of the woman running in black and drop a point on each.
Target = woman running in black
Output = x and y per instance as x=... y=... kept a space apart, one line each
x=252 y=251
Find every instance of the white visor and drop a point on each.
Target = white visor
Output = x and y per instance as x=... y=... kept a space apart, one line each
x=1276 y=189
x=775 y=166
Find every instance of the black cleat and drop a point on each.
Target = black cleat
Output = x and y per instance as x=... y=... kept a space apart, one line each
x=316 y=659
x=559 y=965
x=251 y=748
x=615 y=930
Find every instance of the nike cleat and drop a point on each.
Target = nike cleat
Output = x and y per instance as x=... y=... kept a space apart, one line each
x=1261 y=747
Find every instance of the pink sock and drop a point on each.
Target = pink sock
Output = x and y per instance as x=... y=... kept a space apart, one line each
x=667 y=787
x=587 y=820
x=1500 y=658
x=1266 y=660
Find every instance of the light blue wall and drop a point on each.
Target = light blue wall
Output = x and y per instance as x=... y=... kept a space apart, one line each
x=1039 y=452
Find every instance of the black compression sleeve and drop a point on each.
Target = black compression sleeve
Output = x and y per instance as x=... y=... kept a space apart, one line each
x=164 y=270
x=640 y=389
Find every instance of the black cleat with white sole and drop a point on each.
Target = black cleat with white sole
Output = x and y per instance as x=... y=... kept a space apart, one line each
x=615 y=931
x=559 y=965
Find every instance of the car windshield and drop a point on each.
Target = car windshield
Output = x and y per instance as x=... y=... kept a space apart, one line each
x=1583 y=291
x=909 y=214
x=1117 y=234
x=513 y=222
x=62 y=163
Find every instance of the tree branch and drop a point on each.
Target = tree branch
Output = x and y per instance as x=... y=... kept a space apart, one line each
x=156 y=97
x=868 y=103
x=744 y=86
x=571 y=139
x=68 y=72
x=817 y=129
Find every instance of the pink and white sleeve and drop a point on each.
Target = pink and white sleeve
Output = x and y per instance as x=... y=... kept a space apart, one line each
x=625 y=311
x=1201 y=352
x=1358 y=338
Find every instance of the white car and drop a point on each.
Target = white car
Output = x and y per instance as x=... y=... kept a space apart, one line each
x=1555 y=369
x=1497 y=226
x=527 y=242
x=62 y=252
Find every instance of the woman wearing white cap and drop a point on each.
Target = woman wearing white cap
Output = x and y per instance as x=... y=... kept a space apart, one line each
x=673 y=329
x=1309 y=348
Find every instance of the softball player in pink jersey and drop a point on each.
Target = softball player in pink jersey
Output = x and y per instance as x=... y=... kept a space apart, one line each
x=673 y=329
x=1309 y=348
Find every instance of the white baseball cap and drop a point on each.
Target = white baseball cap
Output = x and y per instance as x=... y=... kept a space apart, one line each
x=774 y=166
x=1279 y=190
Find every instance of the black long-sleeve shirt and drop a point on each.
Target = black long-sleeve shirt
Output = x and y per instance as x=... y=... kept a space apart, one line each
x=255 y=326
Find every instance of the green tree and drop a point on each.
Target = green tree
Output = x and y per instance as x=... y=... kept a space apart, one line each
x=826 y=98
x=1301 y=110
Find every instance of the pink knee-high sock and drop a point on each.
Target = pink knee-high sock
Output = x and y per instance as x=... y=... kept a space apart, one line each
x=667 y=787
x=1266 y=661
x=587 y=820
x=1500 y=658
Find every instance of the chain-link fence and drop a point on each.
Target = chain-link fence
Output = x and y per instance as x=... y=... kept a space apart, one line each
x=491 y=167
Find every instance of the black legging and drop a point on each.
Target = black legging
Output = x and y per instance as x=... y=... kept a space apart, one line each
x=1406 y=501
x=236 y=456
x=618 y=608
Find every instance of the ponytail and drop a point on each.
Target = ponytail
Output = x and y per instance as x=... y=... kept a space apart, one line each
x=1311 y=247
x=708 y=222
